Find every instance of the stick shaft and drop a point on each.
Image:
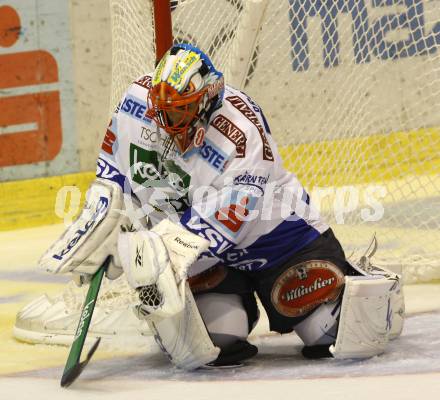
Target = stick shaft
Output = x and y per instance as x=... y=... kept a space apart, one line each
x=85 y=318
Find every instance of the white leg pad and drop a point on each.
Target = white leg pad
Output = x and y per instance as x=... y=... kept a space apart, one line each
x=183 y=337
x=366 y=317
x=397 y=296
x=398 y=311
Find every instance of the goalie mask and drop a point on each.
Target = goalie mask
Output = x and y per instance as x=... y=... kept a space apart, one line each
x=186 y=89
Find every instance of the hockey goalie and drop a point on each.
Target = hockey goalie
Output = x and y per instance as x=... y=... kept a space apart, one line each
x=192 y=202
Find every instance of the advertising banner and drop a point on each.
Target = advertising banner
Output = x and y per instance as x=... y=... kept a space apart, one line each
x=37 y=135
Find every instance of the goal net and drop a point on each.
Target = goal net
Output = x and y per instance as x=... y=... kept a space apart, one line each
x=351 y=90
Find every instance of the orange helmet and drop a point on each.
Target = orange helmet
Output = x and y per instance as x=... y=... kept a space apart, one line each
x=186 y=89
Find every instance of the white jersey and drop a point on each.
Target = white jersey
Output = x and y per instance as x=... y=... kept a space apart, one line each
x=231 y=189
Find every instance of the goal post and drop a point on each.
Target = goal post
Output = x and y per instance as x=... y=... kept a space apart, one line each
x=162 y=27
x=350 y=89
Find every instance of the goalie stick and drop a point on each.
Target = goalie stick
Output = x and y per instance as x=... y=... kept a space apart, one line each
x=73 y=367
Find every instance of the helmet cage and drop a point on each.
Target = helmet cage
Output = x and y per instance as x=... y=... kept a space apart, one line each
x=178 y=113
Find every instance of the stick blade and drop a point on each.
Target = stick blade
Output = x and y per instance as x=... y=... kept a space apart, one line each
x=71 y=374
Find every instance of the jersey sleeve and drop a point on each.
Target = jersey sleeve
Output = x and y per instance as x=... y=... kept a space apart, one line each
x=108 y=165
x=113 y=163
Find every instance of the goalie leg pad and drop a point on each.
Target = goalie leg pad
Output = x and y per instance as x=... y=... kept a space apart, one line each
x=184 y=338
x=365 y=268
x=366 y=317
x=398 y=310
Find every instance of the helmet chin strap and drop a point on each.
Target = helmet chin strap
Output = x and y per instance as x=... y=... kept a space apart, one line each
x=168 y=145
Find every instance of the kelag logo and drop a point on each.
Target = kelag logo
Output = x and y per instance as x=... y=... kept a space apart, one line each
x=149 y=170
x=144 y=165
x=147 y=166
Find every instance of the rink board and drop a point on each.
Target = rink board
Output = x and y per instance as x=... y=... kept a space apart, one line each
x=29 y=203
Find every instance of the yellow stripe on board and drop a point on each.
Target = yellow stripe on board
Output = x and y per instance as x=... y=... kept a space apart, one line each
x=375 y=158
x=29 y=203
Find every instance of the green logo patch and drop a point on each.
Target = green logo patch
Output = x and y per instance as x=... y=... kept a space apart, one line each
x=147 y=169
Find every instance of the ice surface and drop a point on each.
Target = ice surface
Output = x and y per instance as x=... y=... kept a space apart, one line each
x=416 y=351
x=410 y=369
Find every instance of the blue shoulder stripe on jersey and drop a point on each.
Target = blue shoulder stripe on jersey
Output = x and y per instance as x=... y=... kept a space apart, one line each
x=219 y=244
x=275 y=247
x=305 y=197
x=107 y=171
x=266 y=125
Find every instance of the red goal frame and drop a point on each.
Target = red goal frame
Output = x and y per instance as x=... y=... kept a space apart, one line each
x=163 y=27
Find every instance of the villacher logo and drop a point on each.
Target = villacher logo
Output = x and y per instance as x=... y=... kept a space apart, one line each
x=304 y=290
x=305 y=286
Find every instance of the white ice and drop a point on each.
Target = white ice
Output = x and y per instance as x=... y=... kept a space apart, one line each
x=410 y=368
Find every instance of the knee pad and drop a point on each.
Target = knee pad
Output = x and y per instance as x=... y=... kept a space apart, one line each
x=228 y=322
x=320 y=327
x=225 y=317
